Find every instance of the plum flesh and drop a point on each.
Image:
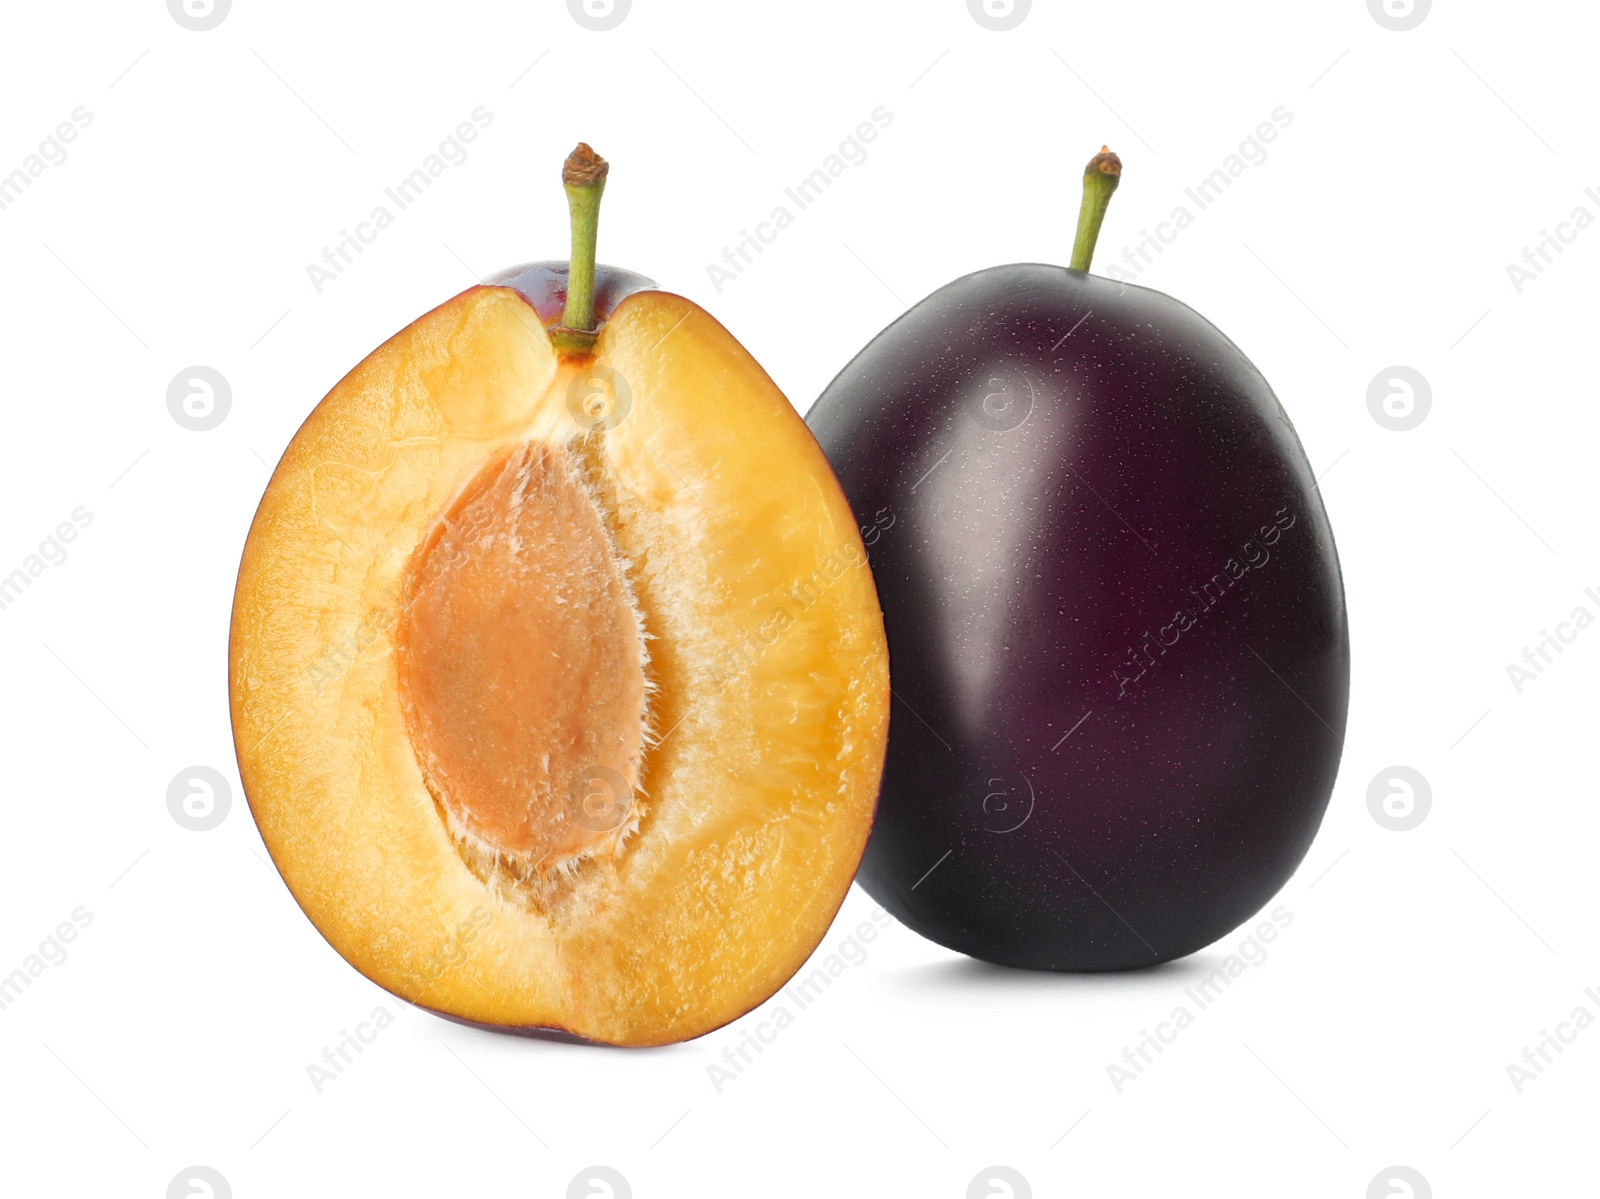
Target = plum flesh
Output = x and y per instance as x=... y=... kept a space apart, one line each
x=1117 y=632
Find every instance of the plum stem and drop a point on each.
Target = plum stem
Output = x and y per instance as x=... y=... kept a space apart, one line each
x=584 y=176
x=1100 y=179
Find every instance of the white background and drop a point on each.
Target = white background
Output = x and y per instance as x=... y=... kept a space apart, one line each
x=219 y=164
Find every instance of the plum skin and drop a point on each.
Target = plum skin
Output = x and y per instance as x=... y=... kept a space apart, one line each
x=1052 y=470
x=544 y=286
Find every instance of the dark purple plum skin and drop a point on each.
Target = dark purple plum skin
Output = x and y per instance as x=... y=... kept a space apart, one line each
x=1048 y=468
x=544 y=286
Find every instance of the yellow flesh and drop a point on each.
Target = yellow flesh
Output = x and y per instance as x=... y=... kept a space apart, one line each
x=765 y=643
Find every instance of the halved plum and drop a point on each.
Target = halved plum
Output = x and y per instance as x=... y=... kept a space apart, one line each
x=558 y=679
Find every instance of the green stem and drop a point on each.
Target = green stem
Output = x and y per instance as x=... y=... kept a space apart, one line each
x=584 y=175
x=1100 y=179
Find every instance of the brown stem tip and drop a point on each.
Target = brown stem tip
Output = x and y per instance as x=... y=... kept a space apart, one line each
x=1100 y=179
x=1105 y=162
x=584 y=167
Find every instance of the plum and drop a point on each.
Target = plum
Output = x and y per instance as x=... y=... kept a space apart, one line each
x=517 y=722
x=1118 y=645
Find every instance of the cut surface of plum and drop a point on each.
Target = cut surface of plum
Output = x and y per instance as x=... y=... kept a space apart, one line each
x=526 y=708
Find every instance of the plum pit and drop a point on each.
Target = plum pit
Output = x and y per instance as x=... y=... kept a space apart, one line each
x=522 y=668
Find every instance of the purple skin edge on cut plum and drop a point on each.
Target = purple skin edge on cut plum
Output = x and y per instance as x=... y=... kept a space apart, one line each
x=544 y=286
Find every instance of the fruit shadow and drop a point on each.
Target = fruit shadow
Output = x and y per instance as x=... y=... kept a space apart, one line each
x=964 y=974
x=547 y=1040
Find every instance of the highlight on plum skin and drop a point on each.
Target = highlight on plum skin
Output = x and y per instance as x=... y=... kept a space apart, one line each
x=1119 y=649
